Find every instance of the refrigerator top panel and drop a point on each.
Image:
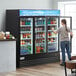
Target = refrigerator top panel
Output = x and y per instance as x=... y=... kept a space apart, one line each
x=39 y=12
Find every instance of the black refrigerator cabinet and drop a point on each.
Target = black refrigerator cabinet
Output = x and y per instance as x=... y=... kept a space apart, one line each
x=36 y=43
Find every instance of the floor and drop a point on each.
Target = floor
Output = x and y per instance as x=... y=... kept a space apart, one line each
x=51 y=69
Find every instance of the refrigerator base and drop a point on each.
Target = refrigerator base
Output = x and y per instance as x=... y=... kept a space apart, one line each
x=53 y=57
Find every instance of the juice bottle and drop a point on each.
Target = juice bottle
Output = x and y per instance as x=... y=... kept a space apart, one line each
x=41 y=40
x=52 y=40
x=38 y=49
x=43 y=34
x=48 y=21
x=36 y=35
x=39 y=34
x=41 y=48
x=21 y=42
x=26 y=23
x=22 y=36
x=48 y=34
x=43 y=22
x=29 y=22
x=25 y=35
x=51 y=22
x=20 y=22
x=22 y=28
x=23 y=22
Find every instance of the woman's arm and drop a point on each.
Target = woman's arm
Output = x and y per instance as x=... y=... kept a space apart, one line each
x=55 y=32
x=70 y=31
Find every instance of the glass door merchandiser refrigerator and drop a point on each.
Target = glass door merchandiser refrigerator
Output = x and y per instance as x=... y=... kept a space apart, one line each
x=35 y=41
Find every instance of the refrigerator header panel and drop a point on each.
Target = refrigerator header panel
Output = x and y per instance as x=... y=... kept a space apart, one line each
x=39 y=12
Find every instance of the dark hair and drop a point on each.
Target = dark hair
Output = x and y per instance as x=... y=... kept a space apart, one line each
x=64 y=22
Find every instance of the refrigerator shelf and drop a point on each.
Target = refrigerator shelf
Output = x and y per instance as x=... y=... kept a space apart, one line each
x=52 y=24
x=40 y=37
x=53 y=37
x=25 y=53
x=39 y=31
x=26 y=39
x=25 y=32
x=39 y=43
x=25 y=25
x=51 y=30
x=39 y=25
x=52 y=42
x=26 y=45
x=52 y=51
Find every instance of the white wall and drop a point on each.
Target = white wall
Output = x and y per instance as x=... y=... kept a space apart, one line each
x=21 y=4
x=55 y=3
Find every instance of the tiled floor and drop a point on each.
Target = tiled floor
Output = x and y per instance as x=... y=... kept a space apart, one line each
x=52 y=69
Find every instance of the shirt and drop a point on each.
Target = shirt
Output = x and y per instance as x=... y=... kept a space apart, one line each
x=63 y=33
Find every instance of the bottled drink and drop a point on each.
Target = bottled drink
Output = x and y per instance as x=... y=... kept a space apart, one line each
x=36 y=35
x=41 y=49
x=51 y=22
x=52 y=40
x=40 y=34
x=23 y=22
x=48 y=34
x=20 y=22
x=26 y=23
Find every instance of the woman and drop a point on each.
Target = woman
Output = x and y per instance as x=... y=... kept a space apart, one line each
x=64 y=40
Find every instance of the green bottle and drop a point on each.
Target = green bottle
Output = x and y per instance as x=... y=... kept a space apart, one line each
x=10 y=36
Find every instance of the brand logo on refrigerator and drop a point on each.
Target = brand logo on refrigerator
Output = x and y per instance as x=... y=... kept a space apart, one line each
x=39 y=12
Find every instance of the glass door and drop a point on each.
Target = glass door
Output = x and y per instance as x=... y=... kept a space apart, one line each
x=52 y=38
x=40 y=34
x=26 y=36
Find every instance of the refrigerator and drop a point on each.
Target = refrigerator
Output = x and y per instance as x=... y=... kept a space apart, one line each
x=35 y=41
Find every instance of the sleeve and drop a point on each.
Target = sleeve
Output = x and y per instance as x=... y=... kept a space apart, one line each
x=69 y=30
x=59 y=29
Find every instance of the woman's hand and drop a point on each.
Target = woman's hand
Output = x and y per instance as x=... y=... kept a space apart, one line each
x=53 y=30
x=71 y=34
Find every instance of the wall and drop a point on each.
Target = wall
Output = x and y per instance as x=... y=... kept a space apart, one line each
x=21 y=4
x=55 y=3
